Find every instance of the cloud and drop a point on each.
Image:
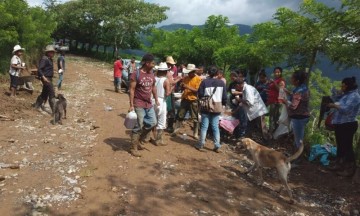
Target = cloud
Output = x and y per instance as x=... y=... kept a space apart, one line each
x=248 y=12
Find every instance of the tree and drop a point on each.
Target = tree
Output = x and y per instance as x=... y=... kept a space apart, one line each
x=28 y=26
x=107 y=22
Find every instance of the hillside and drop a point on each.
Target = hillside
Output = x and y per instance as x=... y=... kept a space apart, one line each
x=243 y=29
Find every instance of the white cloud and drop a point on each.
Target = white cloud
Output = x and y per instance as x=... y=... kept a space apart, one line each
x=247 y=12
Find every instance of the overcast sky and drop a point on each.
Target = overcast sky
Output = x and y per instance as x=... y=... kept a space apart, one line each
x=195 y=12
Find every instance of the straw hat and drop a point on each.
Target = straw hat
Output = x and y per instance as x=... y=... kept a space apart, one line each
x=189 y=68
x=50 y=48
x=170 y=60
x=17 y=48
x=162 y=67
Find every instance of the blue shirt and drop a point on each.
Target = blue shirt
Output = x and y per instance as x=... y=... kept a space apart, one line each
x=349 y=108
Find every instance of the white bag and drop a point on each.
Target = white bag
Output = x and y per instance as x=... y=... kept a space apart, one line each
x=284 y=123
x=130 y=120
x=61 y=71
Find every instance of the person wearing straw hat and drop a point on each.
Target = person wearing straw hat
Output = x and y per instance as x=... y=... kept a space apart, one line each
x=15 y=69
x=45 y=74
x=190 y=85
x=173 y=78
x=163 y=90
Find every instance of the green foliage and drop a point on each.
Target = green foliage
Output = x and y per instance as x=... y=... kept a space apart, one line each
x=107 y=22
x=20 y=24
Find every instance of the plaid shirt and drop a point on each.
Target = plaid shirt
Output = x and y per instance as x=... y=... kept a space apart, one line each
x=349 y=108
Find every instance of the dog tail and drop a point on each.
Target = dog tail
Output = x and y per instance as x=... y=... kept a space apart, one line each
x=297 y=154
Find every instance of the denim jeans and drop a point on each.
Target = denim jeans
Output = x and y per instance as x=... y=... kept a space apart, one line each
x=298 y=126
x=146 y=119
x=117 y=83
x=61 y=77
x=213 y=120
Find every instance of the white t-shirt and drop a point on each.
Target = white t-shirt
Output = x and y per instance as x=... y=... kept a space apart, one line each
x=15 y=60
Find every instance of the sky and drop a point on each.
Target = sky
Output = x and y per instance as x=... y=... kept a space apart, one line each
x=195 y=12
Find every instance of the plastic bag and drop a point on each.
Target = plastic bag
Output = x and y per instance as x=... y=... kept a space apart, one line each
x=130 y=120
x=284 y=123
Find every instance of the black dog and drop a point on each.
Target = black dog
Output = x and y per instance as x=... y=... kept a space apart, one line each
x=60 y=109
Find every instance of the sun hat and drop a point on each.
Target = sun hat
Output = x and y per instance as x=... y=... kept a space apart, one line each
x=189 y=68
x=50 y=48
x=17 y=48
x=162 y=67
x=170 y=60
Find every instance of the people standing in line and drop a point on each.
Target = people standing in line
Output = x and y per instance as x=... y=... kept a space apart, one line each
x=46 y=74
x=216 y=90
x=345 y=122
x=173 y=78
x=142 y=85
x=118 y=67
x=298 y=108
x=190 y=85
x=163 y=90
x=15 y=69
x=273 y=99
x=61 y=68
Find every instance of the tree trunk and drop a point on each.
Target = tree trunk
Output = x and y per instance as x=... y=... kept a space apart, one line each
x=97 y=48
x=104 y=49
x=76 y=45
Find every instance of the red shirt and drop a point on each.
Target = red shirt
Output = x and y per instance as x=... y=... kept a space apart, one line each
x=118 y=68
x=273 y=92
x=143 y=89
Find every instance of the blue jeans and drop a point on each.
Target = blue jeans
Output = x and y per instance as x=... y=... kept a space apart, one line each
x=61 y=77
x=117 y=83
x=298 y=126
x=146 y=119
x=213 y=120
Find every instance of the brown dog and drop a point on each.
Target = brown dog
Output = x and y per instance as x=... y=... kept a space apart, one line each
x=266 y=157
x=60 y=109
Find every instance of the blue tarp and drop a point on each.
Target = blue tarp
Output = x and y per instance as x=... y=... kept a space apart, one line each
x=322 y=151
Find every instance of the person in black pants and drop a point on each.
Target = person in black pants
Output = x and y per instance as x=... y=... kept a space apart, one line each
x=45 y=74
x=345 y=123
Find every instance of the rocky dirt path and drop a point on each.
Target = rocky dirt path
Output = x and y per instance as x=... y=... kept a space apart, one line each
x=83 y=167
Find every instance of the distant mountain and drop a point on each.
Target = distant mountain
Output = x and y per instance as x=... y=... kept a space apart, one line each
x=243 y=29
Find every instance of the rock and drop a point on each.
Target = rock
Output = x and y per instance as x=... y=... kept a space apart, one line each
x=2 y=178
x=77 y=190
x=356 y=212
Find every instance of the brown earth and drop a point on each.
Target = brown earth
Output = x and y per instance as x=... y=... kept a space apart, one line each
x=83 y=167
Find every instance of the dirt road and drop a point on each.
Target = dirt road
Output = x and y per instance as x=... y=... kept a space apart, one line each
x=83 y=167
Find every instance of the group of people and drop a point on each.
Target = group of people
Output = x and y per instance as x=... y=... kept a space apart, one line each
x=45 y=74
x=152 y=98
